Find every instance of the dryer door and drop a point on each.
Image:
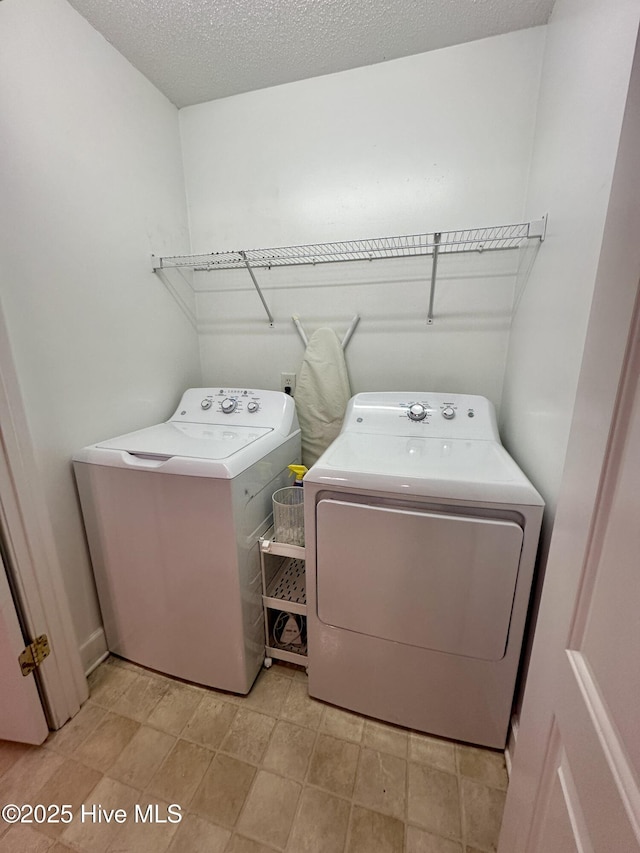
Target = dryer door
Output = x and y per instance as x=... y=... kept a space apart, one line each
x=433 y=580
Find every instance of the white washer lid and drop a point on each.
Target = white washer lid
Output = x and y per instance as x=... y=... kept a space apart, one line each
x=463 y=469
x=193 y=441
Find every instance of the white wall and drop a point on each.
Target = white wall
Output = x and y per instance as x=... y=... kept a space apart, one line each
x=431 y=142
x=92 y=184
x=585 y=79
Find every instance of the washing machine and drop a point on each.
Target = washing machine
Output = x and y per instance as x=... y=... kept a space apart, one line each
x=421 y=539
x=173 y=515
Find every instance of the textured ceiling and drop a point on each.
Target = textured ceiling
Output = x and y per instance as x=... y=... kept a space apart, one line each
x=198 y=50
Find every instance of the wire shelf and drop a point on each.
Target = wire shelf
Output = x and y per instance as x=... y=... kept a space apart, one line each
x=493 y=238
x=436 y=243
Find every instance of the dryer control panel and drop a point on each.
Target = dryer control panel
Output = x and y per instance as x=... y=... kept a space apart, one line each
x=237 y=407
x=424 y=413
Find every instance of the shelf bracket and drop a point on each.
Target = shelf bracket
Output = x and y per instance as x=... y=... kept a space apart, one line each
x=257 y=287
x=434 y=271
x=538 y=228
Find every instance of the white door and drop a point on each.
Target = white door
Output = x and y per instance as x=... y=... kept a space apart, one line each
x=21 y=714
x=576 y=778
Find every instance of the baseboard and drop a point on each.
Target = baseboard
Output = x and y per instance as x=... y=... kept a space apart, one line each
x=510 y=750
x=93 y=651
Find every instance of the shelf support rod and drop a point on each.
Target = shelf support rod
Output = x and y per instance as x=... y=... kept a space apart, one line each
x=257 y=287
x=301 y=331
x=434 y=270
x=350 y=330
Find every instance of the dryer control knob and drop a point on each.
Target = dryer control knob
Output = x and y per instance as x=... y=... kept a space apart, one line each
x=449 y=413
x=228 y=405
x=252 y=407
x=417 y=412
x=205 y=404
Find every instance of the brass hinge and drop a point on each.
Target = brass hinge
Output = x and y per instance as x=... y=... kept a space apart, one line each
x=34 y=654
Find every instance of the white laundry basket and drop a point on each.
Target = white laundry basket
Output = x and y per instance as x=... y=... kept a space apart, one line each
x=288 y=515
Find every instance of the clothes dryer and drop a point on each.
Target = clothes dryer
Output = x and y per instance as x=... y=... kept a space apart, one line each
x=421 y=538
x=173 y=514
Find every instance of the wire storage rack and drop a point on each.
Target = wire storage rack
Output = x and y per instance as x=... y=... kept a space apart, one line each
x=283 y=592
x=434 y=243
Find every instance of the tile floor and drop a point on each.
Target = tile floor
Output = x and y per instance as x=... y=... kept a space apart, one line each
x=272 y=771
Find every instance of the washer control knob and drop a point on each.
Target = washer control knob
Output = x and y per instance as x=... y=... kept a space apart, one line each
x=449 y=413
x=205 y=404
x=252 y=407
x=228 y=405
x=417 y=412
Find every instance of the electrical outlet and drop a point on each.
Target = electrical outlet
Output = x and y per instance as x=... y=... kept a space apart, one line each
x=288 y=383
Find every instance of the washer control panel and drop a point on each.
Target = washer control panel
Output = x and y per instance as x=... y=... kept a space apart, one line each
x=434 y=415
x=237 y=406
x=226 y=401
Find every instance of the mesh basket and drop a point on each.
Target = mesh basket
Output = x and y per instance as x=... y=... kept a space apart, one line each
x=288 y=515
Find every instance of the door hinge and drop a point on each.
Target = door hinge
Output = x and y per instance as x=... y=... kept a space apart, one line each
x=34 y=654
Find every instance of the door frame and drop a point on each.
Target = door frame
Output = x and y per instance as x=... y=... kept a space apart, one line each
x=32 y=560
